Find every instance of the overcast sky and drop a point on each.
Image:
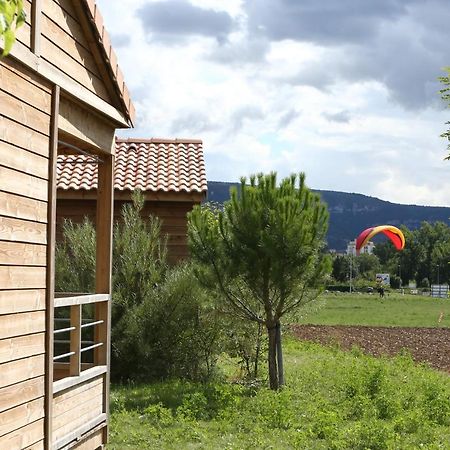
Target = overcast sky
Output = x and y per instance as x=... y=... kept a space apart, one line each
x=344 y=90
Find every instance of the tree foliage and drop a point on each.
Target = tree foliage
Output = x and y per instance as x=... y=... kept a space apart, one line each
x=163 y=324
x=12 y=16
x=445 y=94
x=364 y=267
x=425 y=258
x=263 y=253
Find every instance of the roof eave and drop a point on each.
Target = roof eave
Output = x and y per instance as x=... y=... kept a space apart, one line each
x=110 y=58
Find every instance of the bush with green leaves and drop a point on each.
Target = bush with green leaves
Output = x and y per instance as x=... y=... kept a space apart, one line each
x=75 y=258
x=12 y=16
x=172 y=333
x=163 y=324
x=245 y=342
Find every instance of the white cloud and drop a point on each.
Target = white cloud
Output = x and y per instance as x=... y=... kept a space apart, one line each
x=288 y=105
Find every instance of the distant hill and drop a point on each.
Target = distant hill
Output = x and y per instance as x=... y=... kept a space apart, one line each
x=352 y=213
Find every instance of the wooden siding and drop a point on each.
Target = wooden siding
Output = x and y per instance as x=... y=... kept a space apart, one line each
x=94 y=441
x=23 y=34
x=76 y=406
x=24 y=164
x=12 y=349
x=64 y=44
x=172 y=214
x=26 y=437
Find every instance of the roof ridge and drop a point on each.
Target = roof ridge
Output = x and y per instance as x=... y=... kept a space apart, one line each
x=157 y=140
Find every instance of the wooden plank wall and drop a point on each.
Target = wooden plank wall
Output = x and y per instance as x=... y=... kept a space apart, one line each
x=76 y=406
x=64 y=44
x=23 y=34
x=93 y=441
x=172 y=214
x=24 y=166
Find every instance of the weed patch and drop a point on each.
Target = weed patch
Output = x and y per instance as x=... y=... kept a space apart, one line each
x=333 y=400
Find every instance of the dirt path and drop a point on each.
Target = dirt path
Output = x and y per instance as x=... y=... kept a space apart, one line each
x=425 y=344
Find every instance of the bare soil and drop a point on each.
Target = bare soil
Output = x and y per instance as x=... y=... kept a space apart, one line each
x=431 y=345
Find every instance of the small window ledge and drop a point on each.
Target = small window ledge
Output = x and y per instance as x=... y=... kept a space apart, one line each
x=86 y=375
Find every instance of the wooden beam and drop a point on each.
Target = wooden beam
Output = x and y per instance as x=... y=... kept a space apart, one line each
x=36 y=27
x=105 y=205
x=86 y=375
x=50 y=297
x=86 y=127
x=79 y=299
x=75 y=340
x=187 y=197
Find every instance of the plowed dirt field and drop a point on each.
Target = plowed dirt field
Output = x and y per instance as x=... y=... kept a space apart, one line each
x=431 y=345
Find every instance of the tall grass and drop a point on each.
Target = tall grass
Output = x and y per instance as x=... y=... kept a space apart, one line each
x=333 y=400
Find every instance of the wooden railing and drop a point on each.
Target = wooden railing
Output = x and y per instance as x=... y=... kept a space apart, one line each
x=73 y=325
x=80 y=388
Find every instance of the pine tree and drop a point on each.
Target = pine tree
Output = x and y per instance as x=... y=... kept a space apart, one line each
x=263 y=253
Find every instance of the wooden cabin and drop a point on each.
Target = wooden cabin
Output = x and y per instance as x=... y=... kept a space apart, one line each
x=60 y=91
x=169 y=172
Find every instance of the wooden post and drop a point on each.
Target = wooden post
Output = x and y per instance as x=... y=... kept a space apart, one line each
x=105 y=198
x=75 y=340
x=50 y=276
x=36 y=11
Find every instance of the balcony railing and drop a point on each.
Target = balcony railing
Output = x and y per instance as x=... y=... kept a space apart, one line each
x=68 y=333
x=80 y=386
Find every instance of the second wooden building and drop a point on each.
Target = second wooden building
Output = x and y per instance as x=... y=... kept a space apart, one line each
x=169 y=172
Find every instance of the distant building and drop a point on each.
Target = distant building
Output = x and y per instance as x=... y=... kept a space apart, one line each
x=368 y=248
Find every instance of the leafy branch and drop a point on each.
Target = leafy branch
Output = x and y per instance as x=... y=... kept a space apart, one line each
x=445 y=94
x=12 y=16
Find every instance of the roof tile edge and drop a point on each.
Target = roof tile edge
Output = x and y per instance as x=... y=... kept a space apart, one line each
x=105 y=43
x=159 y=141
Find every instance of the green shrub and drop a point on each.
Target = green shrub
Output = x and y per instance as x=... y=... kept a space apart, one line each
x=247 y=342
x=172 y=333
x=75 y=258
x=162 y=322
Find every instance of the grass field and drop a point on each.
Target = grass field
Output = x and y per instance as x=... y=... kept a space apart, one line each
x=364 y=309
x=333 y=400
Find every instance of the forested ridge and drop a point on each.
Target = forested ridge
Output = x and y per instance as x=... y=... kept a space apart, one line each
x=351 y=213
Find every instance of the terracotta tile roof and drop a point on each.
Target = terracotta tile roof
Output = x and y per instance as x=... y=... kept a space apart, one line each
x=156 y=165
x=104 y=41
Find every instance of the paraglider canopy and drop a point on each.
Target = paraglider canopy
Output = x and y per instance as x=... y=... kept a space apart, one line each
x=393 y=233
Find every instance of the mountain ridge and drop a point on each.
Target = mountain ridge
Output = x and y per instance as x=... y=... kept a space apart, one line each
x=350 y=213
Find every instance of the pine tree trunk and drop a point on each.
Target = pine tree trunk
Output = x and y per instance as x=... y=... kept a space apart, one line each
x=273 y=372
x=279 y=356
x=258 y=350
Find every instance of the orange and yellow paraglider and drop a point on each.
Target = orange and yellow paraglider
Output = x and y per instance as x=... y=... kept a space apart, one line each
x=393 y=233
